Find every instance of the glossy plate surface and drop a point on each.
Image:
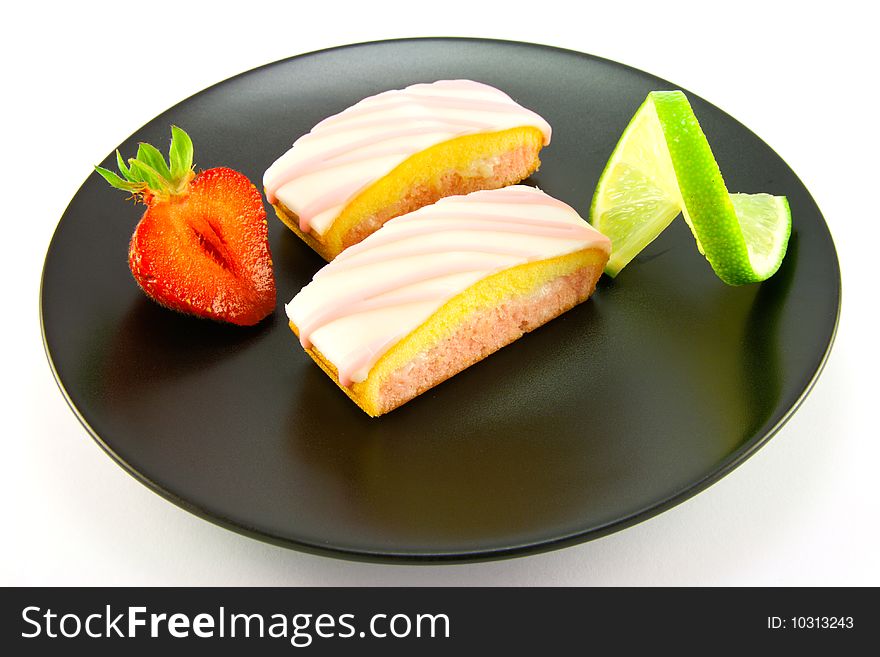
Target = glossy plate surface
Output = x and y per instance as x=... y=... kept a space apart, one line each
x=660 y=384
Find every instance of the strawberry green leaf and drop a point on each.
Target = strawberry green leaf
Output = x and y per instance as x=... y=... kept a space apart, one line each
x=118 y=182
x=180 y=154
x=123 y=169
x=151 y=156
x=135 y=176
x=149 y=175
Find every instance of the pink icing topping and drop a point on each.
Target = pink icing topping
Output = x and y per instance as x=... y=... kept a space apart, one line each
x=485 y=235
x=442 y=110
x=370 y=297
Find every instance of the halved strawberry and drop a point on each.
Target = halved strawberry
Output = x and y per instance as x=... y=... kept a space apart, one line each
x=201 y=246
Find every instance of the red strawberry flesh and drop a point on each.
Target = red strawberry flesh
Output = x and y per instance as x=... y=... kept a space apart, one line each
x=205 y=252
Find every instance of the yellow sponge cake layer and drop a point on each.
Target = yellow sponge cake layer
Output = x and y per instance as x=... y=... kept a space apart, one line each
x=458 y=166
x=485 y=317
x=437 y=290
x=397 y=151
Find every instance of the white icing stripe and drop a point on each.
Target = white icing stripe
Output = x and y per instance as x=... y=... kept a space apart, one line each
x=378 y=291
x=345 y=153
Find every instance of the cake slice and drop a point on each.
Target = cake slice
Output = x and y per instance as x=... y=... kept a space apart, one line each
x=397 y=151
x=435 y=291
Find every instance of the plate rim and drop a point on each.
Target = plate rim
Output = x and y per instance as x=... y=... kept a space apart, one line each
x=722 y=469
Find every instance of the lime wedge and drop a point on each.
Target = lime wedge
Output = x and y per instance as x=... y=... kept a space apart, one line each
x=663 y=166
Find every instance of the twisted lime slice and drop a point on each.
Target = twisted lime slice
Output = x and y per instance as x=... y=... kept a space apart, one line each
x=663 y=165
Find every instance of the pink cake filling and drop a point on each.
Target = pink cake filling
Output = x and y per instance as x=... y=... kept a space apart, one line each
x=508 y=168
x=485 y=332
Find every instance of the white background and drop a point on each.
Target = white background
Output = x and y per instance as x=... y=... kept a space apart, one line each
x=79 y=79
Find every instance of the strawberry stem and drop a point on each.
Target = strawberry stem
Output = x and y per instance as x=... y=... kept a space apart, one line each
x=148 y=174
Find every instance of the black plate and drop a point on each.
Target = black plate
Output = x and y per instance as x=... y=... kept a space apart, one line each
x=662 y=383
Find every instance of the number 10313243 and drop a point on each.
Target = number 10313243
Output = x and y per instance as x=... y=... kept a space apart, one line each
x=810 y=623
